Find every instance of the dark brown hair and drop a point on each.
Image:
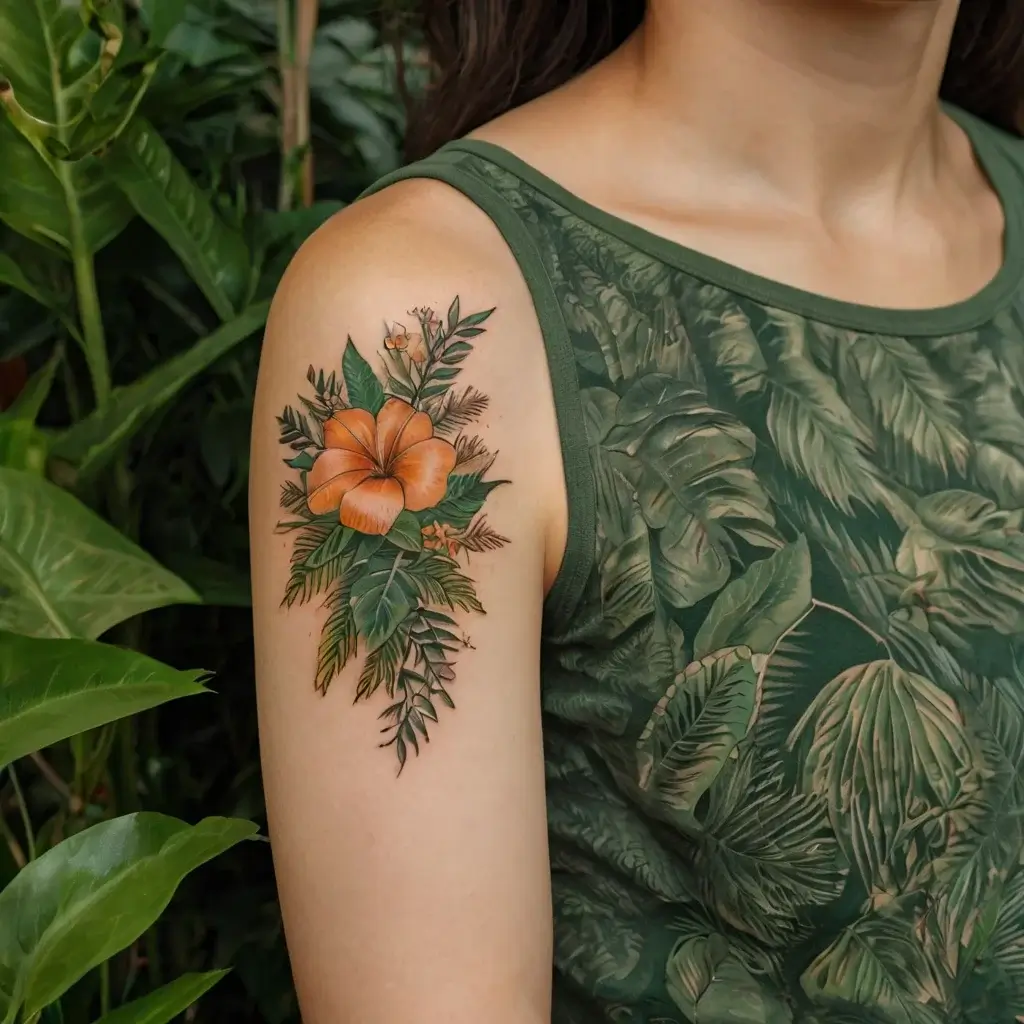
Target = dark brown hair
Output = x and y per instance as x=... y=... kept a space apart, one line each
x=488 y=56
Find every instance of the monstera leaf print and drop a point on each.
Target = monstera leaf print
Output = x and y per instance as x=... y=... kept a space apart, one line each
x=877 y=964
x=966 y=558
x=690 y=468
x=785 y=742
x=694 y=729
x=881 y=745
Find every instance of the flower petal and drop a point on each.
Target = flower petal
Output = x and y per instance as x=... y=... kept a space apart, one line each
x=399 y=425
x=334 y=472
x=373 y=506
x=354 y=430
x=422 y=469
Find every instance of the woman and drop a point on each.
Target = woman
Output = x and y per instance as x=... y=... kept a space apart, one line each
x=670 y=429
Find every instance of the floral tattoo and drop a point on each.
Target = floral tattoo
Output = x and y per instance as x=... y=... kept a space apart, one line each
x=386 y=511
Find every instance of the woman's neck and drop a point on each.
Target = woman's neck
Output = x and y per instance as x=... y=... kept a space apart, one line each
x=824 y=102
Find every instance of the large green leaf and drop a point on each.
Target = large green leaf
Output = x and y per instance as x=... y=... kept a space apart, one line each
x=52 y=202
x=361 y=384
x=92 y=442
x=879 y=743
x=463 y=499
x=381 y=598
x=162 y=16
x=761 y=605
x=43 y=198
x=406 y=533
x=93 y=895
x=878 y=965
x=35 y=38
x=64 y=571
x=165 y=1003
x=52 y=689
x=695 y=727
x=164 y=194
x=691 y=468
x=710 y=984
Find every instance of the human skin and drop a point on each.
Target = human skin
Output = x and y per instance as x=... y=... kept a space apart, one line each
x=802 y=141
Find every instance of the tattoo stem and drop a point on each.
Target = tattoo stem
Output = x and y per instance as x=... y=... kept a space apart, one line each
x=394 y=569
x=433 y=354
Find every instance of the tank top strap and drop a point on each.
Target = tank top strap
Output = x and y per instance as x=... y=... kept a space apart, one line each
x=464 y=171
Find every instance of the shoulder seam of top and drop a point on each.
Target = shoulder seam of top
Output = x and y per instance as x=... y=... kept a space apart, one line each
x=564 y=596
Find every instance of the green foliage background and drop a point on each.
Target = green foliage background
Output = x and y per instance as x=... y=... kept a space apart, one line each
x=160 y=161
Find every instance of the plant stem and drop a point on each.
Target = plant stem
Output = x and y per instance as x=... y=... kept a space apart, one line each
x=824 y=606
x=394 y=569
x=176 y=306
x=433 y=355
x=296 y=30
x=89 y=309
x=49 y=773
x=94 y=342
x=127 y=769
x=26 y=821
x=17 y=853
x=850 y=617
x=71 y=392
x=104 y=988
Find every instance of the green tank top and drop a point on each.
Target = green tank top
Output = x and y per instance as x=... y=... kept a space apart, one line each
x=782 y=661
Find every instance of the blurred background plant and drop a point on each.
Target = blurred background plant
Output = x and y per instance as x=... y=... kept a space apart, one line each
x=160 y=162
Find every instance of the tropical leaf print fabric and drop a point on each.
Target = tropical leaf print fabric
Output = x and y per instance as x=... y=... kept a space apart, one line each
x=785 y=722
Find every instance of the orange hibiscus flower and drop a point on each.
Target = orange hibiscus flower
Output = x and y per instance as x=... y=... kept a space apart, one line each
x=374 y=467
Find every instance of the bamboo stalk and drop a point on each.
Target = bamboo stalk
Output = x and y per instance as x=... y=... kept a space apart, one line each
x=296 y=30
x=306 y=20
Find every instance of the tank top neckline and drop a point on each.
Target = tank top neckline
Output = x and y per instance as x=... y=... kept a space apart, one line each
x=954 y=318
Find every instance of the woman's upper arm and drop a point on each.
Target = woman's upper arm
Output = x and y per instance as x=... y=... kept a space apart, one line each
x=399 y=567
